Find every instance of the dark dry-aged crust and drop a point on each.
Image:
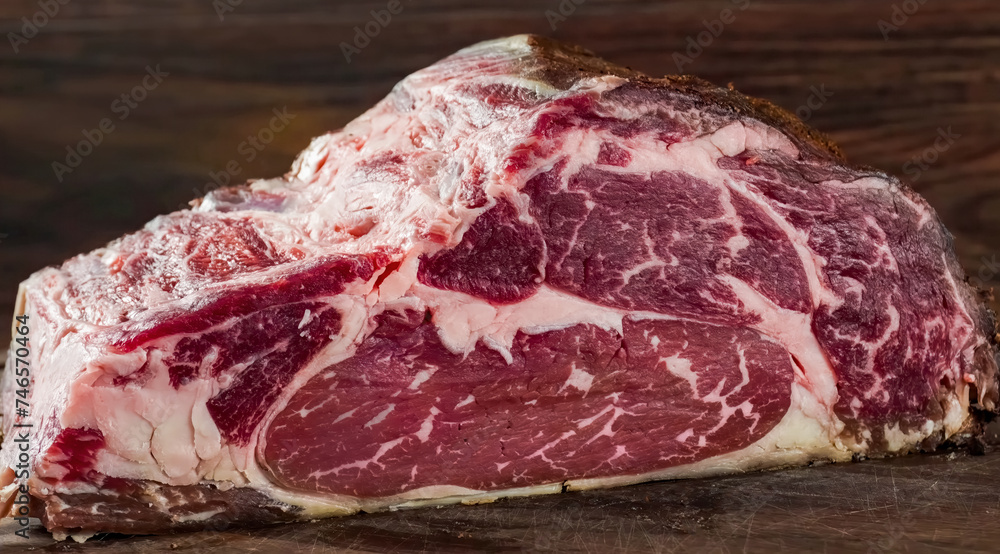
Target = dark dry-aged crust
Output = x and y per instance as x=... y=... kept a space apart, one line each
x=561 y=65
x=147 y=507
x=985 y=394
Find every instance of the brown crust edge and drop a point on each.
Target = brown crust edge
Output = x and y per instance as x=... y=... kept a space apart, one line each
x=564 y=63
x=138 y=507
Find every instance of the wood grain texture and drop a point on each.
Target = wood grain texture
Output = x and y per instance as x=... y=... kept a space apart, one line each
x=939 y=70
x=945 y=504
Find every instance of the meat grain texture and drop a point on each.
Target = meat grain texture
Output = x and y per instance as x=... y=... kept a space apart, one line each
x=524 y=271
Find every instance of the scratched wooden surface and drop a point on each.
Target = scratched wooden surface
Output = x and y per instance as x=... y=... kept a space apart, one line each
x=942 y=503
x=891 y=97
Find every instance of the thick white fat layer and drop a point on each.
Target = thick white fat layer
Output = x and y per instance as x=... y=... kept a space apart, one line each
x=151 y=432
x=350 y=194
x=462 y=320
x=956 y=414
x=793 y=331
x=956 y=411
x=164 y=434
x=59 y=344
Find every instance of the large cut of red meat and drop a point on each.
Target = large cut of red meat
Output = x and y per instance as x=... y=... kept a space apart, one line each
x=524 y=271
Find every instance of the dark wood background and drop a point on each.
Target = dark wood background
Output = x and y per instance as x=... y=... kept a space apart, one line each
x=939 y=70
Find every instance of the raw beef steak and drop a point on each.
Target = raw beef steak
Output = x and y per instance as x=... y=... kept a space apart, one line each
x=524 y=271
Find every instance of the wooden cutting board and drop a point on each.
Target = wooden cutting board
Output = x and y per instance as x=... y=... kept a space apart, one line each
x=940 y=503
